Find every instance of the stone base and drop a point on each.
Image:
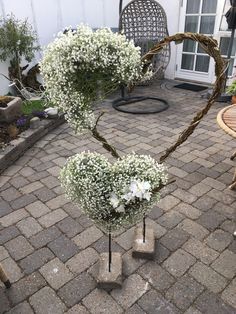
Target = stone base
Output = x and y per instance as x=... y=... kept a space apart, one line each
x=145 y=250
x=112 y=279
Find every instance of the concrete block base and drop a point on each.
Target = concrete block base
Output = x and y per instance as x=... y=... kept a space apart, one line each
x=113 y=279
x=145 y=250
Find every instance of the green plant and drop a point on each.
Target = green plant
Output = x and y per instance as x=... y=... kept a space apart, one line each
x=17 y=41
x=231 y=89
x=35 y=105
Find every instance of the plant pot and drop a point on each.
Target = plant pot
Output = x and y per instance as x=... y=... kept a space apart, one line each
x=233 y=99
x=11 y=111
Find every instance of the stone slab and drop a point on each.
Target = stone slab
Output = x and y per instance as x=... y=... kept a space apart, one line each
x=110 y=279
x=144 y=248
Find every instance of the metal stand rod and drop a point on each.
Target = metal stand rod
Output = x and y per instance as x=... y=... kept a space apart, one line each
x=144 y=228
x=109 y=265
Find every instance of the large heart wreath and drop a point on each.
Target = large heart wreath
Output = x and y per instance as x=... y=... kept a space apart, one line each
x=113 y=195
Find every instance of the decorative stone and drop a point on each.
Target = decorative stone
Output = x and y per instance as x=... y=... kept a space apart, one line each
x=112 y=279
x=144 y=249
x=12 y=110
x=34 y=123
x=52 y=113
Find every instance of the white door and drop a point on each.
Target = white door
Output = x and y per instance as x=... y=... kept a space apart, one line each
x=197 y=16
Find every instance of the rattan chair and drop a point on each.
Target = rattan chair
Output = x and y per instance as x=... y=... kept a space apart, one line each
x=145 y=22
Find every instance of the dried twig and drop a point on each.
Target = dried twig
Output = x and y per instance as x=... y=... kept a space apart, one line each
x=111 y=149
x=211 y=48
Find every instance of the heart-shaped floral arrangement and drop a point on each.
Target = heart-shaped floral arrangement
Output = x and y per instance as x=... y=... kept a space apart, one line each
x=113 y=195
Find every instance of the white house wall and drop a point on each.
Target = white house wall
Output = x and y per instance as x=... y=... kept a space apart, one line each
x=51 y=16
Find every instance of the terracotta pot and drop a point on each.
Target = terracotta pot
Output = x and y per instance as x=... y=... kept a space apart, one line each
x=233 y=100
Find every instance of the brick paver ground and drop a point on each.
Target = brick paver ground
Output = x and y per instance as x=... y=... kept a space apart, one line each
x=50 y=249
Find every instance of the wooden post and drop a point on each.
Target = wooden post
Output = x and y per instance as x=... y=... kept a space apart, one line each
x=4 y=278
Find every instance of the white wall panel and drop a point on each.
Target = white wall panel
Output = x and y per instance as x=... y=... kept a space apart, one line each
x=94 y=13
x=72 y=12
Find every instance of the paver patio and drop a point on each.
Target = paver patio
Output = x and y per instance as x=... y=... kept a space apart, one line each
x=50 y=249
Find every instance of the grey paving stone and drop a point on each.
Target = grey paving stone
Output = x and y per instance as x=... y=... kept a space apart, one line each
x=179 y=262
x=170 y=219
x=3 y=253
x=23 y=201
x=63 y=248
x=200 y=189
x=219 y=240
x=125 y=240
x=132 y=289
x=101 y=245
x=18 y=181
x=72 y=210
x=37 y=209
x=12 y=269
x=22 y=308
x=99 y=301
x=200 y=251
x=208 y=277
x=25 y=287
x=227 y=211
x=130 y=264
x=36 y=260
x=225 y=264
x=153 y=303
x=158 y=277
x=168 y=202
x=75 y=290
x=70 y=227
x=46 y=301
x=5 y=208
x=8 y=233
x=211 y=220
x=184 y=292
x=155 y=213
x=29 y=227
x=52 y=218
x=10 y=194
x=229 y=295
x=44 y=237
x=82 y=261
x=211 y=303
x=56 y=273
x=84 y=221
x=161 y=253
x=188 y=210
x=78 y=309
x=205 y=203
x=5 y=305
x=174 y=239
x=192 y=310
x=185 y=196
x=194 y=229
x=44 y=194
x=87 y=237
x=13 y=217
x=19 y=248
x=135 y=309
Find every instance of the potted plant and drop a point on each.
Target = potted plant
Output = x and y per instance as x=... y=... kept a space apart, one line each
x=231 y=89
x=17 y=41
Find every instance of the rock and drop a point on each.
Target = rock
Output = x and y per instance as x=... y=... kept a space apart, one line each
x=34 y=123
x=143 y=249
x=51 y=112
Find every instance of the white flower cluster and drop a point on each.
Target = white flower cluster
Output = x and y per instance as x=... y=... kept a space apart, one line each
x=82 y=65
x=113 y=195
